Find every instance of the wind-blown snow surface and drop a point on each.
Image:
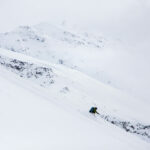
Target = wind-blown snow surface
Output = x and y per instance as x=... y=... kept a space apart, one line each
x=56 y=116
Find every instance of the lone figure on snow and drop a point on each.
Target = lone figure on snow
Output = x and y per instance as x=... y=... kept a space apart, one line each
x=93 y=110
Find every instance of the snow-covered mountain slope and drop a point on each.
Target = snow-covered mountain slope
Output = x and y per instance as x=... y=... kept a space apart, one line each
x=57 y=45
x=109 y=61
x=57 y=75
x=90 y=89
x=56 y=116
x=79 y=92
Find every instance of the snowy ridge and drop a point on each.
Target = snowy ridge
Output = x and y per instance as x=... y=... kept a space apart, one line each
x=57 y=45
x=44 y=33
x=70 y=37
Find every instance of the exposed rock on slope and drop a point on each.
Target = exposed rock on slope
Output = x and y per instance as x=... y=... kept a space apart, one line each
x=43 y=75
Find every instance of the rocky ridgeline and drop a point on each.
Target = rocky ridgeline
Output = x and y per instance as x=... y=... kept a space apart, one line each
x=136 y=128
x=39 y=74
x=29 y=34
x=82 y=40
x=24 y=37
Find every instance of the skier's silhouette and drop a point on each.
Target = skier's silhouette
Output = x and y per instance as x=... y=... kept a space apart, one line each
x=93 y=110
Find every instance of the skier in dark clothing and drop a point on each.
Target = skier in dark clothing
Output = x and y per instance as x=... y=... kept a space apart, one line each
x=93 y=110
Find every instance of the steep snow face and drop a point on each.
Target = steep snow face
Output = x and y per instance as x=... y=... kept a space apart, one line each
x=32 y=120
x=76 y=53
x=56 y=116
x=79 y=92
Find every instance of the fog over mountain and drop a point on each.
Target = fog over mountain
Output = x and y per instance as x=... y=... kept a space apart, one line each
x=128 y=18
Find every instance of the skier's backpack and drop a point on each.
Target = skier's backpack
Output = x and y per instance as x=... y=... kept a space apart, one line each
x=93 y=110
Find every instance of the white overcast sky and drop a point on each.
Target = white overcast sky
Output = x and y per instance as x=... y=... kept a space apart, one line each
x=128 y=18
